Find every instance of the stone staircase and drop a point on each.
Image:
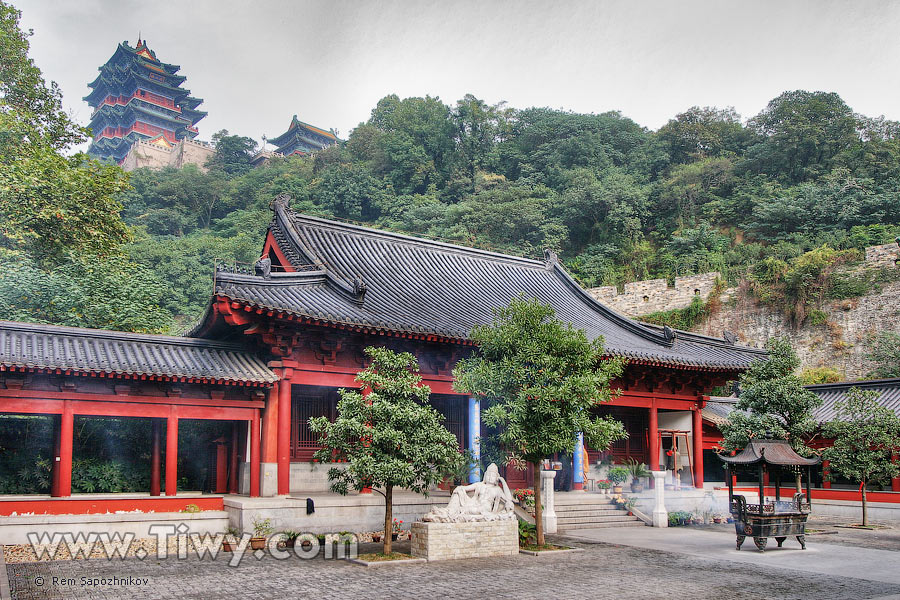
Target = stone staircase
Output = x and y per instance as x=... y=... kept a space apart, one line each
x=585 y=510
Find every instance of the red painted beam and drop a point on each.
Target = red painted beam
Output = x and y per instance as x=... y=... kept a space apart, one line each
x=88 y=506
x=125 y=399
x=124 y=409
x=832 y=494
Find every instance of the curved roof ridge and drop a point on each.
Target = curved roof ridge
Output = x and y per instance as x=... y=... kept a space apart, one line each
x=410 y=239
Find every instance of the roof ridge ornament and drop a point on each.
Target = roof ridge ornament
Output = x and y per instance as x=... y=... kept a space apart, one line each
x=263 y=267
x=359 y=288
x=282 y=200
x=669 y=333
x=730 y=337
x=550 y=257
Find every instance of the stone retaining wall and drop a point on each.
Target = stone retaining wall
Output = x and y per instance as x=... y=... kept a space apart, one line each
x=443 y=541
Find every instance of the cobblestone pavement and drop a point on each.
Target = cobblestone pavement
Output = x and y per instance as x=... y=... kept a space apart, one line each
x=600 y=571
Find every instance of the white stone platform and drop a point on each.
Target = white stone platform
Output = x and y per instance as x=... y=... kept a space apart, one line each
x=444 y=541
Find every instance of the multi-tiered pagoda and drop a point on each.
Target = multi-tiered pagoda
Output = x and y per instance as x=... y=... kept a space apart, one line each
x=137 y=97
x=302 y=138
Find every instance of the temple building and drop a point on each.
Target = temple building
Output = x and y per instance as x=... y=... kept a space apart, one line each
x=302 y=138
x=279 y=339
x=136 y=97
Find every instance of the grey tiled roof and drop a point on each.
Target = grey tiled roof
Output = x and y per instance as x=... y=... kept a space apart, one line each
x=888 y=395
x=419 y=286
x=718 y=409
x=100 y=351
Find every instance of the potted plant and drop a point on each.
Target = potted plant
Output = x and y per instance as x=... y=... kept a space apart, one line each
x=637 y=470
x=603 y=485
x=395 y=529
x=321 y=538
x=289 y=538
x=525 y=498
x=262 y=528
x=617 y=475
x=629 y=505
x=231 y=539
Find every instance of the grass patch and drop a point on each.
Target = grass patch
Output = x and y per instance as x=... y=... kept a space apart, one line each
x=539 y=548
x=378 y=556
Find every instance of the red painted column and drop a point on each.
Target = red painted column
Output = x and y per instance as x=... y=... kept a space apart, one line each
x=653 y=441
x=826 y=471
x=895 y=482
x=233 y=466
x=284 y=432
x=269 y=441
x=698 y=448
x=66 y=425
x=155 y=458
x=254 y=455
x=54 y=472
x=366 y=391
x=172 y=454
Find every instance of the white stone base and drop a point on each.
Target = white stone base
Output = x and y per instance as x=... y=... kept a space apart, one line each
x=445 y=541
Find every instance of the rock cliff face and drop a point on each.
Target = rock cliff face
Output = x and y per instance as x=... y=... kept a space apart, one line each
x=840 y=340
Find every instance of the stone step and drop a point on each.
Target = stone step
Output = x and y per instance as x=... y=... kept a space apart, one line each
x=581 y=498
x=637 y=523
x=586 y=512
x=579 y=520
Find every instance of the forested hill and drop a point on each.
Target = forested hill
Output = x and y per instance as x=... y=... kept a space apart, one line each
x=708 y=191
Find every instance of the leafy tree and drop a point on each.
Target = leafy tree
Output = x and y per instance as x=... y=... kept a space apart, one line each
x=92 y=292
x=803 y=133
x=866 y=436
x=233 y=153
x=708 y=132
x=773 y=402
x=542 y=377
x=387 y=433
x=885 y=353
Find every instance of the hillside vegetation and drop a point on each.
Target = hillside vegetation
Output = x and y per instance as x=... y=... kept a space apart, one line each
x=617 y=201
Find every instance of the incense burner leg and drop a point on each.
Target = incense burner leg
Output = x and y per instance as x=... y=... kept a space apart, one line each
x=760 y=543
x=780 y=540
x=802 y=540
x=740 y=541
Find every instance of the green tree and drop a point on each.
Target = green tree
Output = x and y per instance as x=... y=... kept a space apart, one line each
x=542 y=377
x=233 y=153
x=707 y=132
x=885 y=353
x=866 y=436
x=773 y=402
x=387 y=433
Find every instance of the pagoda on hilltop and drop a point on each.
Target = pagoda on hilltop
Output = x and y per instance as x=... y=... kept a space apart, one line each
x=138 y=98
x=302 y=138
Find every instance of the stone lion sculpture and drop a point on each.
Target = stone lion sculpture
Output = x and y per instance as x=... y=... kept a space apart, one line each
x=490 y=500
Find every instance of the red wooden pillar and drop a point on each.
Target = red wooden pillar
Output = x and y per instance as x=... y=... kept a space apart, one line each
x=895 y=482
x=269 y=439
x=66 y=425
x=233 y=463
x=366 y=391
x=653 y=441
x=172 y=454
x=284 y=432
x=826 y=473
x=155 y=457
x=54 y=473
x=698 y=448
x=254 y=455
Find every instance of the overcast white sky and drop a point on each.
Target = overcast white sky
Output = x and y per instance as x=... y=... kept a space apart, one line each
x=257 y=63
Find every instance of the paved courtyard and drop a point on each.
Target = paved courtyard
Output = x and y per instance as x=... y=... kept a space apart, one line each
x=602 y=570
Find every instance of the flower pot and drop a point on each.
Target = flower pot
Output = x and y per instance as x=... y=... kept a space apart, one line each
x=393 y=537
x=630 y=513
x=617 y=489
x=637 y=487
x=306 y=544
x=376 y=538
x=258 y=543
x=289 y=543
x=228 y=546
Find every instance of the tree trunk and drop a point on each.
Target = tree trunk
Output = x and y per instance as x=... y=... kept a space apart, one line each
x=538 y=509
x=864 y=507
x=388 y=518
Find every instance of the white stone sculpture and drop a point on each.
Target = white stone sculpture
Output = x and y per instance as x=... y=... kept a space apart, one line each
x=490 y=501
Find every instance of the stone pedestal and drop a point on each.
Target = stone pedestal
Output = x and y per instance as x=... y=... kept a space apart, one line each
x=660 y=514
x=549 y=501
x=445 y=541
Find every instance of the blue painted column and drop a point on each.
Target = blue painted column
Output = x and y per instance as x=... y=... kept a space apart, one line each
x=578 y=463
x=474 y=441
